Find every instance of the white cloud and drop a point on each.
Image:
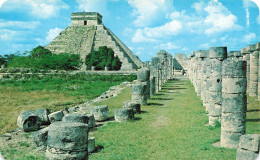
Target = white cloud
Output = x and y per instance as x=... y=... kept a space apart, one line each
x=19 y=24
x=167 y=46
x=52 y=33
x=93 y=6
x=249 y=37
x=2 y=2
x=151 y=34
x=8 y=35
x=210 y=18
x=149 y=12
x=219 y=19
x=139 y=37
x=40 y=8
x=247 y=17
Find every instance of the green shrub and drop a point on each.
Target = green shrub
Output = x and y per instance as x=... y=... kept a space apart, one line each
x=42 y=59
x=102 y=58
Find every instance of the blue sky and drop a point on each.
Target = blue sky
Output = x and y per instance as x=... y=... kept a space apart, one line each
x=145 y=26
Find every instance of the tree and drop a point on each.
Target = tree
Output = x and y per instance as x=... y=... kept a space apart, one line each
x=102 y=58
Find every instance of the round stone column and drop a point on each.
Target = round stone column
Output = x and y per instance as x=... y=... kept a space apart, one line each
x=155 y=71
x=258 y=90
x=143 y=76
x=246 y=57
x=67 y=140
x=138 y=93
x=234 y=102
x=216 y=55
x=253 y=86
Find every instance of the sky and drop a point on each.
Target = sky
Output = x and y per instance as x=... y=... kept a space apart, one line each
x=145 y=26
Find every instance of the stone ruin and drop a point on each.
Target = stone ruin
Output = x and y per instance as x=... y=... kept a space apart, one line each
x=223 y=80
x=87 y=33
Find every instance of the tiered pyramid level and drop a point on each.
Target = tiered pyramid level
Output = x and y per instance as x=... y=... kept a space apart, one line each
x=81 y=38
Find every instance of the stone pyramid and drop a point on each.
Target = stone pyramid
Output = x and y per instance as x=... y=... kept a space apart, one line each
x=87 y=33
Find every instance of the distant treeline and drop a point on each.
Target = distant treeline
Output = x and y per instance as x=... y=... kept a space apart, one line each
x=41 y=58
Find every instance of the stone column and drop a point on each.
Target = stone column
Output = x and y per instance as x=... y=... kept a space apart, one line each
x=67 y=140
x=203 y=74
x=195 y=74
x=155 y=71
x=192 y=67
x=258 y=49
x=143 y=76
x=201 y=71
x=152 y=86
x=234 y=103
x=246 y=57
x=138 y=93
x=216 y=55
x=253 y=86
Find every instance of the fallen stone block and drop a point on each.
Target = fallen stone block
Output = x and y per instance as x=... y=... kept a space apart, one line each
x=40 y=138
x=56 y=116
x=124 y=114
x=43 y=115
x=91 y=120
x=100 y=113
x=67 y=140
x=246 y=155
x=75 y=117
x=27 y=121
x=134 y=105
x=250 y=142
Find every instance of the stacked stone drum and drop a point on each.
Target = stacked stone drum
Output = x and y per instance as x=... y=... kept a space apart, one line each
x=216 y=55
x=234 y=102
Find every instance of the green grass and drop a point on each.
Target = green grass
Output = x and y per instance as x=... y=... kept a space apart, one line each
x=172 y=127
x=52 y=92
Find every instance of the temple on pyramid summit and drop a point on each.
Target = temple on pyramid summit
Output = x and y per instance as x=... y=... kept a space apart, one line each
x=87 y=33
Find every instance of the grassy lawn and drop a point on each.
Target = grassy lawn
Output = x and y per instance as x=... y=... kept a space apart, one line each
x=52 y=92
x=171 y=127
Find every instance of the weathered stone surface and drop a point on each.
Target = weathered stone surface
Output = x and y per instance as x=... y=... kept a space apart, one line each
x=230 y=139
x=233 y=122
x=100 y=113
x=152 y=86
x=218 y=52
x=234 y=68
x=253 y=84
x=139 y=99
x=250 y=142
x=251 y=47
x=124 y=114
x=40 y=138
x=246 y=155
x=52 y=154
x=232 y=103
x=43 y=115
x=138 y=89
x=75 y=117
x=258 y=46
x=68 y=136
x=27 y=121
x=56 y=116
x=134 y=105
x=91 y=120
x=91 y=144
x=234 y=85
x=143 y=75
